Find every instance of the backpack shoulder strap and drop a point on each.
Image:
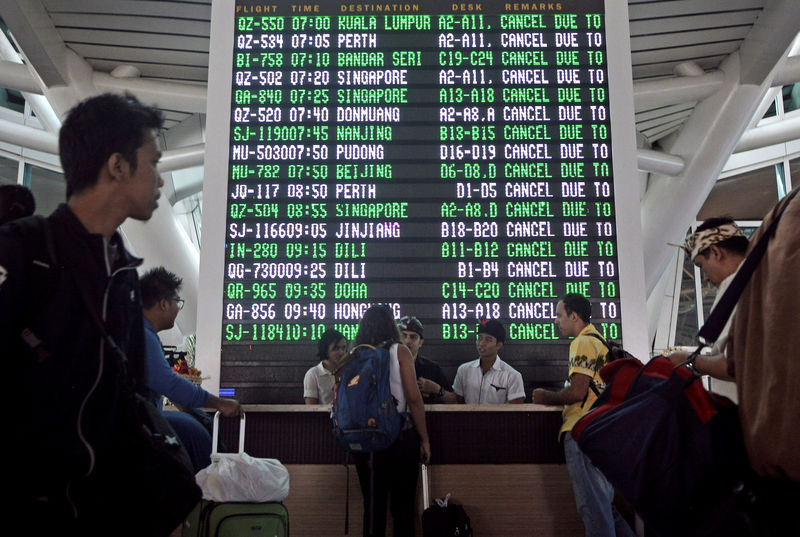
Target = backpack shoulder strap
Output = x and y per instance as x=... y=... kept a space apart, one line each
x=592 y=384
x=601 y=338
x=349 y=357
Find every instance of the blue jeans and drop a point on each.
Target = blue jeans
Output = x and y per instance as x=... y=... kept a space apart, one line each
x=593 y=495
x=196 y=439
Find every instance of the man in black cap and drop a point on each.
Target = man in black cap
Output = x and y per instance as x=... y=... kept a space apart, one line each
x=432 y=382
x=489 y=380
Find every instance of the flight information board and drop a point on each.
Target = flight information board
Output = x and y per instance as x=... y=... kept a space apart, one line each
x=450 y=160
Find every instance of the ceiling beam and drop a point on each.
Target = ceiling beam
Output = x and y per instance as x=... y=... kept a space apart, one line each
x=32 y=28
x=778 y=132
x=709 y=136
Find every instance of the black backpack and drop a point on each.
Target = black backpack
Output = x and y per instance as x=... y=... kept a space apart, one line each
x=41 y=275
x=446 y=521
x=615 y=352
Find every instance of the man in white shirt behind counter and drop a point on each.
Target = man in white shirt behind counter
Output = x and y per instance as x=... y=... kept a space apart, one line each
x=489 y=380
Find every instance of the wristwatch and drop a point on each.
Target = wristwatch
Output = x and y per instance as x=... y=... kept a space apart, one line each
x=441 y=391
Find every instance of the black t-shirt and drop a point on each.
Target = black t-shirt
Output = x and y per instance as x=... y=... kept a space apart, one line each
x=430 y=370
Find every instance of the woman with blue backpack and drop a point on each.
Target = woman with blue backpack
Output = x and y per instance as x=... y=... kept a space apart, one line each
x=392 y=471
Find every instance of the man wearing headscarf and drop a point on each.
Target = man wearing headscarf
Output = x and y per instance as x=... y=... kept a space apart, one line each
x=717 y=247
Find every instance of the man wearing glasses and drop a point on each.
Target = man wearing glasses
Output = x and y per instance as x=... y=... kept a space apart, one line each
x=160 y=305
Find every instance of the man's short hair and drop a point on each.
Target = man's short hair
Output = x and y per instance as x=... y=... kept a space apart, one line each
x=410 y=324
x=575 y=302
x=16 y=201
x=158 y=284
x=97 y=128
x=494 y=328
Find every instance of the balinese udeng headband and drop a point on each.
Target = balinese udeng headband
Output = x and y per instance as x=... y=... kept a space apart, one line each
x=700 y=240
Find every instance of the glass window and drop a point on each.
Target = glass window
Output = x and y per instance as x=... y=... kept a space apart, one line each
x=12 y=99
x=772 y=111
x=747 y=196
x=197 y=217
x=794 y=173
x=48 y=187
x=9 y=169
x=687 y=327
x=791 y=97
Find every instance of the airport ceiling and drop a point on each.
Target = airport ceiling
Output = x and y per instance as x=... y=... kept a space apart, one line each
x=169 y=41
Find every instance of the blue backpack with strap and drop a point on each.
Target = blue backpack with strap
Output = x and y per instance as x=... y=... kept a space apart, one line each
x=364 y=412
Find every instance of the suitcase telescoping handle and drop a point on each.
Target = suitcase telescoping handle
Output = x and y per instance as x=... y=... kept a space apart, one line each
x=426 y=489
x=215 y=436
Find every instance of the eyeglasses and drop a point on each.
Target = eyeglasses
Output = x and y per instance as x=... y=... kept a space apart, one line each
x=178 y=302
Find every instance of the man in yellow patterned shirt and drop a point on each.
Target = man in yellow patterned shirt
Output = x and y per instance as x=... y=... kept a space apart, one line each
x=593 y=493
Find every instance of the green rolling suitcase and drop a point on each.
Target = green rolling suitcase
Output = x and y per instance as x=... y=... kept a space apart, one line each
x=237 y=519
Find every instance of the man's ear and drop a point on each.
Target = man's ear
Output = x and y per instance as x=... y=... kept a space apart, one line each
x=501 y=345
x=117 y=165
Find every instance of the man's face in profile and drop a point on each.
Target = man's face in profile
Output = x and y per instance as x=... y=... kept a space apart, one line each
x=709 y=262
x=565 y=322
x=142 y=185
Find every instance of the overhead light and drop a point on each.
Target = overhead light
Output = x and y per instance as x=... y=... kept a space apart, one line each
x=688 y=69
x=126 y=71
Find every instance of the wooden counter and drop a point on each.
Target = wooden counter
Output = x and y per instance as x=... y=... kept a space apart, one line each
x=459 y=434
x=503 y=463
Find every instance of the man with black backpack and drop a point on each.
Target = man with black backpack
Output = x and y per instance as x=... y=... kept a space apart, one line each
x=587 y=353
x=60 y=279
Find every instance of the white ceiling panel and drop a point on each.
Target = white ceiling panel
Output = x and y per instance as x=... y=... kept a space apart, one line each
x=147 y=40
x=169 y=39
x=143 y=55
x=679 y=8
x=669 y=119
x=164 y=72
x=731 y=34
x=128 y=23
x=681 y=54
x=696 y=22
x=665 y=69
x=167 y=9
x=664 y=111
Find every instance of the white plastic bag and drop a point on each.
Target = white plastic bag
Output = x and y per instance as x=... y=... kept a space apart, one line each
x=238 y=477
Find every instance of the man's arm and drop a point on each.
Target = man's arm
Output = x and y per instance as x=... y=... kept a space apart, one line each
x=516 y=389
x=438 y=384
x=574 y=393
x=161 y=379
x=715 y=364
x=227 y=407
x=449 y=398
x=310 y=391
